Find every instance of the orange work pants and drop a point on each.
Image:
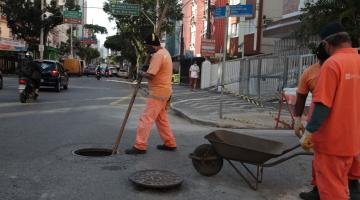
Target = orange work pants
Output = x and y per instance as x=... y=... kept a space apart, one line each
x=155 y=111
x=332 y=174
x=356 y=164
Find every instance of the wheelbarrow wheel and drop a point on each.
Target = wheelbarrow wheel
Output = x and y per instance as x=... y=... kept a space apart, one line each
x=206 y=161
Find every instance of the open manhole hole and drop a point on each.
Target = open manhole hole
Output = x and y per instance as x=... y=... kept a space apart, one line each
x=156 y=179
x=93 y=152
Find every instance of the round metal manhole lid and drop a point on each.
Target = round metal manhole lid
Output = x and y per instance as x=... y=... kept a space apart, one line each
x=156 y=179
x=93 y=152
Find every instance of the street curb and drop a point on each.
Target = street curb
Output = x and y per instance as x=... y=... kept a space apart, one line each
x=199 y=121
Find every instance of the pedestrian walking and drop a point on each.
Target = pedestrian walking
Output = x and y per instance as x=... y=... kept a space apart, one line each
x=159 y=75
x=333 y=130
x=193 y=75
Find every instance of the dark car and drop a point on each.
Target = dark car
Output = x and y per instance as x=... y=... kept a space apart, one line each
x=53 y=74
x=1 y=80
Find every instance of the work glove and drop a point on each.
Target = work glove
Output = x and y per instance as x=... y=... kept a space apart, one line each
x=299 y=128
x=305 y=141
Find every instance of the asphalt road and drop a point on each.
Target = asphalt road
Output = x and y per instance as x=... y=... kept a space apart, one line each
x=37 y=141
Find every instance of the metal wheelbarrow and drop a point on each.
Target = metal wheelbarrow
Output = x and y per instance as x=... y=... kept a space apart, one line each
x=207 y=159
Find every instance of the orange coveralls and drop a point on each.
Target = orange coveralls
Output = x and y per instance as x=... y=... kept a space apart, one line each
x=337 y=142
x=307 y=83
x=160 y=90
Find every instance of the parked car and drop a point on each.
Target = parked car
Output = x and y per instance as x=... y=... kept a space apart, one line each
x=123 y=73
x=1 y=80
x=53 y=75
x=113 y=71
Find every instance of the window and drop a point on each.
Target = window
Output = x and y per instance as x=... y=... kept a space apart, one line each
x=234 y=30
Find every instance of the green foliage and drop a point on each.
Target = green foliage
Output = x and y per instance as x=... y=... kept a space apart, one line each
x=316 y=14
x=71 y=5
x=133 y=29
x=96 y=28
x=88 y=54
x=24 y=19
x=123 y=44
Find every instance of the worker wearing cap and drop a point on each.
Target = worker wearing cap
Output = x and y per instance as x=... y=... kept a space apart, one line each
x=333 y=130
x=159 y=74
x=307 y=83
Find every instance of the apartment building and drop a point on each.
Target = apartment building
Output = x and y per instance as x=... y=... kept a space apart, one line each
x=280 y=29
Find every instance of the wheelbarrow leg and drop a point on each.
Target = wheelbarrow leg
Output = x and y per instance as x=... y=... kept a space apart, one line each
x=256 y=178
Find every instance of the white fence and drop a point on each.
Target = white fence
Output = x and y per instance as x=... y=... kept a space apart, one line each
x=259 y=76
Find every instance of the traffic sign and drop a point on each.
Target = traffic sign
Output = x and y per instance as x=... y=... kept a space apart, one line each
x=41 y=48
x=241 y=10
x=208 y=47
x=125 y=9
x=220 y=12
x=72 y=17
x=88 y=41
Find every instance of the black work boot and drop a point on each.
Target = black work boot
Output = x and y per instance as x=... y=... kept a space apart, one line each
x=312 y=195
x=165 y=148
x=354 y=190
x=134 y=151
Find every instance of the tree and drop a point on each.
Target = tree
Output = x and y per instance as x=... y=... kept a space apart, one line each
x=71 y=5
x=88 y=54
x=316 y=14
x=24 y=19
x=96 y=28
x=133 y=29
x=121 y=43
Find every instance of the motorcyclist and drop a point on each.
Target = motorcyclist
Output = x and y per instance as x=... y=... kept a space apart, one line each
x=31 y=70
x=98 y=70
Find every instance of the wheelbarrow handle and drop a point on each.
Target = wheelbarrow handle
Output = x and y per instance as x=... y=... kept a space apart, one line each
x=291 y=149
x=271 y=164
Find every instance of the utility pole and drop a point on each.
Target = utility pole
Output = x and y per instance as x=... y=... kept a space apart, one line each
x=224 y=58
x=208 y=30
x=71 y=41
x=41 y=46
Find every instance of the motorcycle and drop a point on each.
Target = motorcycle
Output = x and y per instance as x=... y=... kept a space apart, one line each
x=98 y=75
x=26 y=90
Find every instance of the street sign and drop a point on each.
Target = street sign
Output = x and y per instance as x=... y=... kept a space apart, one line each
x=220 y=12
x=72 y=17
x=41 y=48
x=241 y=10
x=208 y=47
x=88 y=41
x=125 y=9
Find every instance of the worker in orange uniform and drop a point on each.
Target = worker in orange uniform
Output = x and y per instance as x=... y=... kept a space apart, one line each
x=333 y=130
x=307 y=84
x=159 y=75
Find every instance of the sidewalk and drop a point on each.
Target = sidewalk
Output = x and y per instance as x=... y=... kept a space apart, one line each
x=202 y=107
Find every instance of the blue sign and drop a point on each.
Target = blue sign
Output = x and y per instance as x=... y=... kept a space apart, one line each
x=220 y=12
x=241 y=10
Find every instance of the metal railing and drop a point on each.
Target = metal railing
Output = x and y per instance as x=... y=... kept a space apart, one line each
x=259 y=77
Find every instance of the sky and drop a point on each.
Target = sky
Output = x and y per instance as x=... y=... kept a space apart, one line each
x=99 y=17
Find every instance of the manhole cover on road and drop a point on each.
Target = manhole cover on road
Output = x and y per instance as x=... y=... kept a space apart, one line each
x=94 y=152
x=156 y=179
